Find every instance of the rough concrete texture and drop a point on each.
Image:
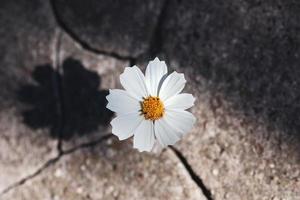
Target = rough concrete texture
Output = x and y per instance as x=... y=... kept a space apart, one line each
x=243 y=61
x=239 y=157
x=26 y=41
x=86 y=78
x=53 y=95
x=122 y=27
x=111 y=170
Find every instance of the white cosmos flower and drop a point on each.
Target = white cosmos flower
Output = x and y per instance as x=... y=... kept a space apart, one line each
x=151 y=107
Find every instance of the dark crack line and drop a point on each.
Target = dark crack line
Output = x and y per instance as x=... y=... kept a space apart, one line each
x=156 y=42
x=25 y=179
x=88 y=144
x=59 y=92
x=54 y=160
x=57 y=81
x=192 y=173
x=156 y=47
x=82 y=43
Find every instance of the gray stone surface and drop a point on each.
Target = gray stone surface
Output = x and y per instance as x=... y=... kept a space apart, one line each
x=243 y=62
x=239 y=157
x=122 y=27
x=27 y=38
x=248 y=50
x=86 y=78
x=111 y=170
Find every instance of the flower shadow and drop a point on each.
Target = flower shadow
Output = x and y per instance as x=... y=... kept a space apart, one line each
x=68 y=104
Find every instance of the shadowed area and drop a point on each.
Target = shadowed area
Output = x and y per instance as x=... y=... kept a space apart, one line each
x=82 y=108
x=122 y=28
x=248 y=51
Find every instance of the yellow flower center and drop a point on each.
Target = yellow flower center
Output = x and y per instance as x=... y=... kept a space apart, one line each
x=152 y=108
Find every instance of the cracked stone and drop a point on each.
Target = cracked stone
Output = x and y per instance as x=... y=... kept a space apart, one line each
x=230 y=173
x=96 y=173
x=86 y=79
x=122 y=27
x=242 y=62
x=27 y=40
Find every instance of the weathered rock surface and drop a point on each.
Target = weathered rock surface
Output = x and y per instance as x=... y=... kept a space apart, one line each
x=233 y=153
x=86 y=78
x=243 y=60
x=27 y=38
x=111 y=170
x=122 y=27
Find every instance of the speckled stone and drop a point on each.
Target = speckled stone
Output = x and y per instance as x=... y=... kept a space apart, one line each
x=86 y=78
x=242 y=61
x=123 y=27
x=111 y=170
x=27 y=39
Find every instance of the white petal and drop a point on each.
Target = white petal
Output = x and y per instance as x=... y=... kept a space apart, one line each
x=181 y=101
x=165 y=134
x=157 y=147
x=144 y=136
x=172 y=85
x=155 y=71
x=180 y=120
x=121 y=102
x=133 y=81
x=124 y=126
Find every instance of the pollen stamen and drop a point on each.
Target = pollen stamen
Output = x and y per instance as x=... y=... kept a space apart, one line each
x=152 y=108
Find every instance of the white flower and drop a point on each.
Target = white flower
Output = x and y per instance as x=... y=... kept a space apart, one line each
x=150 y=107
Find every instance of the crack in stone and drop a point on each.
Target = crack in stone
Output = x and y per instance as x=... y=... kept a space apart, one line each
x=192 y=173
x=87 y=144
x=25 y=179
x=54 y=160
x=82 y=43
x=57 y=82
x=155 y=46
